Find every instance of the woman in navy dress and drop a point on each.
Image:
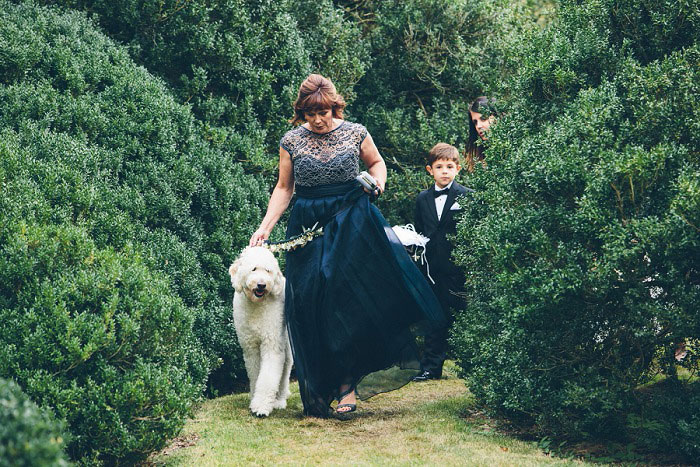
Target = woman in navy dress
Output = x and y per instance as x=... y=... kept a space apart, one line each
x=354 y=298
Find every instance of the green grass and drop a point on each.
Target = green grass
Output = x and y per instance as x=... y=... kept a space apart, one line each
x=419 y=424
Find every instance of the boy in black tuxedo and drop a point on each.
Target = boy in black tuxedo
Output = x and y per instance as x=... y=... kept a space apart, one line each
x=435 y=219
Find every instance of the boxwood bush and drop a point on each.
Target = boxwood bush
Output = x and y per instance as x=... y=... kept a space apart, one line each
x=237 y=63
x=430 y=58
x=406 y=69
x=582 y=242
x=29 y=436
x=98 y=337
x=118 y=220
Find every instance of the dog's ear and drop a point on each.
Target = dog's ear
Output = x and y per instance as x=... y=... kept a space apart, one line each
x=233 y=272
x=278 y=287
x=279 y=280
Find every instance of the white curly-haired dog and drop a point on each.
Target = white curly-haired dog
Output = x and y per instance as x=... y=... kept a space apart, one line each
x=258 y=316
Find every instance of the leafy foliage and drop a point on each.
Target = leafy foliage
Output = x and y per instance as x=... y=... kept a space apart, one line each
x=581 y=242
x=335 y=44
x=238 y=63
x=118 y=222
x=420 y=52
x=668 y=419
x=430 y=58
x=122 y=203
x=99 y=338
x=399 y=64
x=28 y=435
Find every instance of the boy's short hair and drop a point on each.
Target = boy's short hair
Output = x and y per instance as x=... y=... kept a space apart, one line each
x=443 y=151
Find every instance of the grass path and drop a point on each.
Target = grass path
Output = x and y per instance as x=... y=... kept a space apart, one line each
x=419 y=424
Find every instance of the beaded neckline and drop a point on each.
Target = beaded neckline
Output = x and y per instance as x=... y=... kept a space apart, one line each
x=326 y=133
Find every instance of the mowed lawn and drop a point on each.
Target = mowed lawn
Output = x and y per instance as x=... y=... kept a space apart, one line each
x=419 y=424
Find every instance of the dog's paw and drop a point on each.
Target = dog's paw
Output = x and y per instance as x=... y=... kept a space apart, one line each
x=280 y=404
x=259 y=414
x=259 y=410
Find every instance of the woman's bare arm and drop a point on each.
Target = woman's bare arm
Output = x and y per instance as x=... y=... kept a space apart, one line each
x=374 y=161
x=279 y=200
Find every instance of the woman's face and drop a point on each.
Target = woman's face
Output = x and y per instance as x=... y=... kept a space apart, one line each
x=481 y=124
x=319 y=120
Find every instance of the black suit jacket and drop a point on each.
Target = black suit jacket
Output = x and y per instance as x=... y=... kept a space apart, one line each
x=447 y=276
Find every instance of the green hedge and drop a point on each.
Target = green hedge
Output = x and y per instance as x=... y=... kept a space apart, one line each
x=29 y=436
x=582 y=242
x=668 y=419
x=407 y=69
x=98 y=337
x=118 y=220
x=430 y=58
x=237 y=63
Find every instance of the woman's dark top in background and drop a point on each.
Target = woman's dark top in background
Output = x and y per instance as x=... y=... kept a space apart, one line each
x=353 y=294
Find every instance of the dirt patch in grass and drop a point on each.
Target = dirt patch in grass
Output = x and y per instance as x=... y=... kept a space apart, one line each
x=184 y=441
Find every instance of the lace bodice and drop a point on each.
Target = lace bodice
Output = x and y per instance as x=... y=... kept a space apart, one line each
x=319 y=159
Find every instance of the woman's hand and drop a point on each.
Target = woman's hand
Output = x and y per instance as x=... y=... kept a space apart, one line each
x=374 y=193
x=380 y=188
x=259 y=237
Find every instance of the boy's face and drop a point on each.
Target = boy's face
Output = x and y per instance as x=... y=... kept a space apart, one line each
x=443 y=171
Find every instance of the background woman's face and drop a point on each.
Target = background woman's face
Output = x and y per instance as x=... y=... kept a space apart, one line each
x=481 y=124
x=319 y=120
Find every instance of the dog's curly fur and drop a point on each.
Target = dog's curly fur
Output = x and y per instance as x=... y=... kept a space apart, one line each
x=258 y=316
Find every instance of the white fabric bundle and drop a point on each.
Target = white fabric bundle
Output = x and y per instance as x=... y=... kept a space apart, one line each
x=410 y=238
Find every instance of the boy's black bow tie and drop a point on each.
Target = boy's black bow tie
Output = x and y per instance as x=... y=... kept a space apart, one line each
x=441 y=192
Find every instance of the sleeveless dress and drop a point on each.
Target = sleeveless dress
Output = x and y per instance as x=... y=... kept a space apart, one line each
x=354 y=298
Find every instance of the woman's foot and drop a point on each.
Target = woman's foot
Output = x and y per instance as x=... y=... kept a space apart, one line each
x=347 y=402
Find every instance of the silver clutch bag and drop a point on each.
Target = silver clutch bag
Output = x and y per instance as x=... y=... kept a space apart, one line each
x=368 y=182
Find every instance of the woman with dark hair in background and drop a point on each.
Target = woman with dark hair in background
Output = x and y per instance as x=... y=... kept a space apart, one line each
x=353 y=293
x=482 y=114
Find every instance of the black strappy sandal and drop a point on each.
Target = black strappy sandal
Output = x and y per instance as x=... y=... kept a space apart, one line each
x=352 y=407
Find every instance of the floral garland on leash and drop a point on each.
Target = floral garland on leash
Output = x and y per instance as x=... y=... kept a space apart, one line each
x=297 y=241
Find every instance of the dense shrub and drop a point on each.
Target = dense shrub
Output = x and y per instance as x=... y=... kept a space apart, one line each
x=336 y=46
x=581 y=244
x=429 y=59
x=668 y=419
x=238 y=63
x=401 y=65
x=95 y=335
x=29 y=436
x=423 y=54
x=117 y=223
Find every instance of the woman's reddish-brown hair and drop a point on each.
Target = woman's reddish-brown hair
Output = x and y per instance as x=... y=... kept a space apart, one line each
x=316 y=93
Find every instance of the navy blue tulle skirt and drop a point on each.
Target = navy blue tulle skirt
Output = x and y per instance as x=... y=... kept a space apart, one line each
x=354 y=299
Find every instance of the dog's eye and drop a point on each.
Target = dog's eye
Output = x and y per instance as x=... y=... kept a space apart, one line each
x=268 y=270
x=255 y=268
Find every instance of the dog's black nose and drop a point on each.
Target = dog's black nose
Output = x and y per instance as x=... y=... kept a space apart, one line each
x=261 y=286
